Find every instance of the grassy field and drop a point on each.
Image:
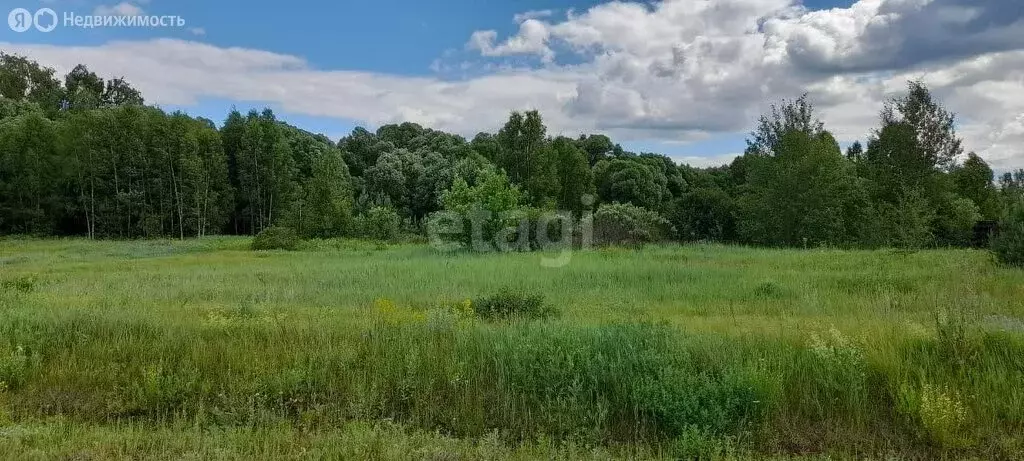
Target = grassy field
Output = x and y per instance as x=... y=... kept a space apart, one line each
x=204 y=349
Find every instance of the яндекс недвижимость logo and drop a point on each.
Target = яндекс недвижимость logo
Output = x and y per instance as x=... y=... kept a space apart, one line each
x=46 y=20
x=21 y=20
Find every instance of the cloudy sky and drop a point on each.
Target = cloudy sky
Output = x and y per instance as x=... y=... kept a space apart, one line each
x=686 y=78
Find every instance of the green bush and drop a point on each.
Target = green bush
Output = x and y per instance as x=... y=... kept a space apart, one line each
x=379 y=223
x=1008 y=244
x=276 y=238
x=627 y=224
x=512 y=304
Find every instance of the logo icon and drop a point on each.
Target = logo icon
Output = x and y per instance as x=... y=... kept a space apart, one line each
x=20 y=19
x=42 y=25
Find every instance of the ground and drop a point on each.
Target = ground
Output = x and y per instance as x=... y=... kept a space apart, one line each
x=205 y=349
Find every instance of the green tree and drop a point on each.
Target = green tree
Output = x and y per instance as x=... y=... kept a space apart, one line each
x=84 y=89
x=523 y=156
x=912 y=156
x=704 y=213
x=575 y=179
x=905 y=222
x=1011 y=188
x=1008 y=244
x=976 y=181
x=474 y=215
x=324 y=208
x=385 y=183
x=596 y=147
x=361 y=149
x=799 y=187
x=628 y=180
x=266 y=172
x=29 y=175
x=934 y=126
x=119 y=92
x=24 y=80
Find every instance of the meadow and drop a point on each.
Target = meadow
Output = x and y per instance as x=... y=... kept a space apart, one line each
x=356 y=350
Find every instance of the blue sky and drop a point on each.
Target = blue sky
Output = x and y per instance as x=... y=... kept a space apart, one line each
x=412 y=43
x=401 y=37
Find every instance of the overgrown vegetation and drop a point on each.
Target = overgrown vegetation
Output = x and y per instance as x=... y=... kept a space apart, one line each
x=276 y=238
x=843 y=353
x=1008 y=243
x=507 y=304
x=626 y=224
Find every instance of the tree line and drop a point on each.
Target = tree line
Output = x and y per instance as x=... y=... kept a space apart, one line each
x=87 y=157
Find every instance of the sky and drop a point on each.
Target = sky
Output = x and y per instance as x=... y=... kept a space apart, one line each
x=685 y=78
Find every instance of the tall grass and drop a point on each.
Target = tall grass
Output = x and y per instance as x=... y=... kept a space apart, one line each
x=719 y=351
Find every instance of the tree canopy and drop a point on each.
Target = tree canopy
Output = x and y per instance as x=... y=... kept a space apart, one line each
x=84 y=155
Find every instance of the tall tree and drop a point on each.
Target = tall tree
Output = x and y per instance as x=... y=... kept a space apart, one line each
x=29 y=175
x=629 y=180
x=84 y=88
x=800 y=189
x=522 y=154
x=975 y=180
x=934 y=126
x=575 y=179
x=24 y=80
x=119 y=92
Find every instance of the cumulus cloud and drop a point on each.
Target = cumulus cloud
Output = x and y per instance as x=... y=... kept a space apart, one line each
x=894 y=34
x=678 y=68
x=671 y=71
x=531 y=39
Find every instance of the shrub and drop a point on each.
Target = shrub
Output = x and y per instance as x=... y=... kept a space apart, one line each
x=619 y=224
x=276 y=238
x=511 y=304
x=1008 y=244
x=379 y=223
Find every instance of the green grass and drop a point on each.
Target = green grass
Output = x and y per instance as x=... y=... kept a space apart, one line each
x=357 y=350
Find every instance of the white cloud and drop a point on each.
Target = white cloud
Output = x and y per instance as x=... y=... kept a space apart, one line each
x=671 y=71
x=535 y=14
x=120 y=9
x=531 y=39
x=181 y=72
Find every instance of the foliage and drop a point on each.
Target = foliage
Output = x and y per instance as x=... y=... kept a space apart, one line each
x=474 y=216
x=705 y=214
x=276 y=238
x=509 y=304
x=1008 y=244
x=575 y=179
x=83 y=155
x=619 y=223
x=522 y=155
x=379 y=223
x=903 y=224
x=630 y=180
x=799 y=189
x=975 y=180
x=933 y=126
